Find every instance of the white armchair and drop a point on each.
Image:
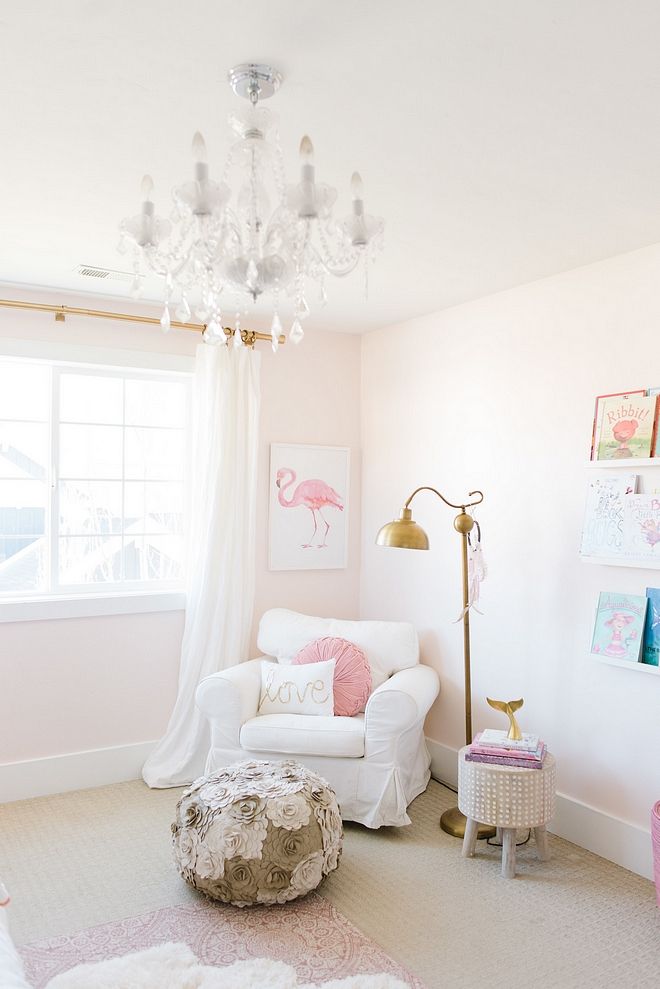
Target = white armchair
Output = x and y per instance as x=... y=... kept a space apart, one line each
x=376 y=762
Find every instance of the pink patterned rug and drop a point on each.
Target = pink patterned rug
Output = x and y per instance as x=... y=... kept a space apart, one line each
x=309 y=934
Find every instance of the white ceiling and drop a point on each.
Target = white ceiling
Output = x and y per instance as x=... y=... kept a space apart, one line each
x=503 y=140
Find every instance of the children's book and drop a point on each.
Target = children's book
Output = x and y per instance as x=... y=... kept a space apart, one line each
x=651 y=647
x=619 y=626
x=500 y=738
x=602 y=529
x=641 y=526
x=627 y=425
x=656 y=440
x=500 y=760
x=598 y=412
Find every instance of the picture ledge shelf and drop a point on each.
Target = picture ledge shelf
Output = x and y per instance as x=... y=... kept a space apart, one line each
x=625 y=665
x=623 y=561
x=627 y=462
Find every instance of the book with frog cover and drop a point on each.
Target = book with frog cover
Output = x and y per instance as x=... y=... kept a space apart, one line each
x=619 y=626
x=626 y=428
x=651 y=647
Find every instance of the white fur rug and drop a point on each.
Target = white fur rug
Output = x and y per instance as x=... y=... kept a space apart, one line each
x=174 y=966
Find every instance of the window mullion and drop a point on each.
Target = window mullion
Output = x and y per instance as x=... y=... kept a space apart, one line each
x=54 y=498
x=122 y=562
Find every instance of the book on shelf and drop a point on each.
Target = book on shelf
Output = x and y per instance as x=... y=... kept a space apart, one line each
x=626 y=427
x=598 y=413
x=641 y=527
x=656 y=441
x=651 y=646
x=602 y=527
x=619 y=626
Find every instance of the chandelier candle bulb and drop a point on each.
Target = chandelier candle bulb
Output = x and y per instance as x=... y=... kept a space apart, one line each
x=357 y=192
x=199 y=149
x=307 y=153
x=148 y=212
x=147 y=187
x=308 y=199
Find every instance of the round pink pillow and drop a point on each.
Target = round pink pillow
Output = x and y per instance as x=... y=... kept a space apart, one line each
x=352 y=680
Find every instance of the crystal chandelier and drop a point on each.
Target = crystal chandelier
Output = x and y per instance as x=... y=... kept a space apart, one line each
x=268 y=239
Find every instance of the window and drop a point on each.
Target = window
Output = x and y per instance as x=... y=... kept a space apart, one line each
x=92 y=479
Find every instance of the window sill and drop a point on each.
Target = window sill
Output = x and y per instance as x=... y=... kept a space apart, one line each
x=90 y=605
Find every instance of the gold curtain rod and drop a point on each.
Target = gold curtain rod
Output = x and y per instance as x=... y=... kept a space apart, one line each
x=249 y=337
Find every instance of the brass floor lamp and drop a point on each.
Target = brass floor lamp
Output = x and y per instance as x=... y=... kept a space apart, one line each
x=405 y=533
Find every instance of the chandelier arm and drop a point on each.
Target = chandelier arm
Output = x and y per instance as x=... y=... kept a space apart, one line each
x=325 y=259
x=468 y=504
x=340 y=272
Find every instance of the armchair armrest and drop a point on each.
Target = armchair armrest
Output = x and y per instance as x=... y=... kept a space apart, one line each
x=229 y=699
x=398 y=705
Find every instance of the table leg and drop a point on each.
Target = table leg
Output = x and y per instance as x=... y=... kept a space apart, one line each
x=470 y=838
x=509 y=852
x=541 y=838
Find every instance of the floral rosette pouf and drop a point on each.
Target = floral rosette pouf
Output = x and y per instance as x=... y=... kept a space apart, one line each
x=257 y=832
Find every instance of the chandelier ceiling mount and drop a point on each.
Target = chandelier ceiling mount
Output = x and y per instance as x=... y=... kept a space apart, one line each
x=254 y=81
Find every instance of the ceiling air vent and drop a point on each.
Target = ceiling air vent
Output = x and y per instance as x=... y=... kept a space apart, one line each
x=91 y=271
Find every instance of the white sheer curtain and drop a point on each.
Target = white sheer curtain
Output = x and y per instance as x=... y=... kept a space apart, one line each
x=222 y=549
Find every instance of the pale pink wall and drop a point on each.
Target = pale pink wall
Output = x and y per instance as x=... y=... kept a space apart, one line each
x=498 y=394
x=316 y=399
x=86 y=683
x=79 y=684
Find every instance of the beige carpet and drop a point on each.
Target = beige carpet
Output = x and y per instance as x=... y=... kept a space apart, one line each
x=81 y=859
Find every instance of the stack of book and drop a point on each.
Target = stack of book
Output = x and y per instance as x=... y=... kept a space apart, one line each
x=496 y=747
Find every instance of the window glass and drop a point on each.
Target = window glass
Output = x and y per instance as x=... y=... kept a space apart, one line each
x=91 y=398
x=92 y=479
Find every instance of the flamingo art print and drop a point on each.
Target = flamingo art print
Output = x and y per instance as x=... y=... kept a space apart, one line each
x=313 y=494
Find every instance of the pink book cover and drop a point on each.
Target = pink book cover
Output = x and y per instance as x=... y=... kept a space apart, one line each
x=503 y=751
x=499 y=760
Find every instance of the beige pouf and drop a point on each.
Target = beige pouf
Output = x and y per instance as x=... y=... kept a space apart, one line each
x=257 y=832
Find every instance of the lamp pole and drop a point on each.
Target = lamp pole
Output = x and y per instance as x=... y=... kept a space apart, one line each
x=464 y=524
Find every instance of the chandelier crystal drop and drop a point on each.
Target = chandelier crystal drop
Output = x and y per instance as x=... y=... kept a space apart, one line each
x=257 y=238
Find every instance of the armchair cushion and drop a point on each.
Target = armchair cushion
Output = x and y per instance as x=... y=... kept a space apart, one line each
x=305 y=734
x=389 y=646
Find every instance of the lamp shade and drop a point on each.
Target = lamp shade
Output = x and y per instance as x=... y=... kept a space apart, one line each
x=404 y=533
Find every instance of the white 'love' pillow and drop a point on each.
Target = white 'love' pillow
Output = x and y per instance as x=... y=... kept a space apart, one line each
x=305 y=689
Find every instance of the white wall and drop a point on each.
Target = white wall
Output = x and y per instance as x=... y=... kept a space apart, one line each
x=77 y=685
x=498 y=394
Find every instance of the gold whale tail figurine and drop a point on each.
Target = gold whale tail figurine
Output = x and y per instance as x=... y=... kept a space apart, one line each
x=508 y=707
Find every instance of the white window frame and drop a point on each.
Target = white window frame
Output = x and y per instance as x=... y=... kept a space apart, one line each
x=106 y=599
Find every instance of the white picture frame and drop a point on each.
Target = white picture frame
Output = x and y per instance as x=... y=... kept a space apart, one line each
x=308 y=507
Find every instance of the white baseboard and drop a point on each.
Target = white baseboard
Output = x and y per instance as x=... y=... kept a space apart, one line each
x=619 y=841
x=73 y=771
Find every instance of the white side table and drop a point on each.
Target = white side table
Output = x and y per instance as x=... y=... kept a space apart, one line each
x=508 y=798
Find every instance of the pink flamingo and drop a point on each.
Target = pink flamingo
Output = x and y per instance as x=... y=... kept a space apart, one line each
x=313 y=494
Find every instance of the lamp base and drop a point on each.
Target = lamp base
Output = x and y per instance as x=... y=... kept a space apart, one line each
x=453 y=822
